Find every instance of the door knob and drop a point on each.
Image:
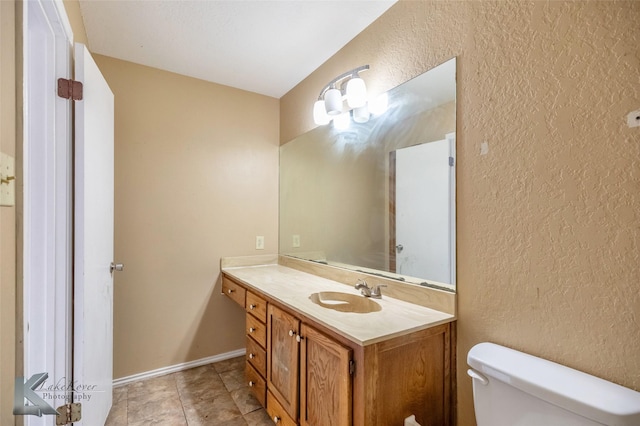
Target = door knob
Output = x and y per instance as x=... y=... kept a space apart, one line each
x=116 y=267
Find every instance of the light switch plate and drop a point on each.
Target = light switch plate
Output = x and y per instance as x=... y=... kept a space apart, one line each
x=7 y=180
x=259 y=242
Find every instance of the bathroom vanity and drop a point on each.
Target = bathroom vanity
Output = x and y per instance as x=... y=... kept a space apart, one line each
x=318 y=355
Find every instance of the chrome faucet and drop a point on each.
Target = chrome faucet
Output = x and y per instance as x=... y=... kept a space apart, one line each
x=364 y=288
x=366 y=291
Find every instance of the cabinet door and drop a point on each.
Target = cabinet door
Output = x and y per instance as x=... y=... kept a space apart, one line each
x=325 y=380
x=283 y=369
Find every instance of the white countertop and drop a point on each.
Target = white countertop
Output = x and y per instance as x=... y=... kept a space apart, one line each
x=292 y=288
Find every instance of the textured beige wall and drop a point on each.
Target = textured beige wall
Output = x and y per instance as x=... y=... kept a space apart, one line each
x=196 y=179
x=7 y=215
x=548 y=220
x=72 y=7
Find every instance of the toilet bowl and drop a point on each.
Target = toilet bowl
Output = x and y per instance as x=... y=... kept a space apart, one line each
x=511 y=388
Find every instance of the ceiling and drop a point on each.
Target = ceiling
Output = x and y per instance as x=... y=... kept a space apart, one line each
x=263 y=46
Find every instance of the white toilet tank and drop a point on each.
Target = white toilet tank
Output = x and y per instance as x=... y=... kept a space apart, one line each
x=511 y=388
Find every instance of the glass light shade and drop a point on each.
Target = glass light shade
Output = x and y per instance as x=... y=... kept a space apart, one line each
x=361 y=115
x=320 y=116
x=356 y=93
x=342 y=121
x=333 y=101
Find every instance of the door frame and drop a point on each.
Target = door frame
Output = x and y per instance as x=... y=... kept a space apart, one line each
x=45 y=235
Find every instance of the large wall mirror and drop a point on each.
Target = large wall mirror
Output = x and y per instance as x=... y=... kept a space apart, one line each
x=379 y=197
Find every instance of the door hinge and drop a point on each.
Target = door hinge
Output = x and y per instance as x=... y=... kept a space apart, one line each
x=70 y=89
x=352 y=367
x=69 y=413
x=451 y=161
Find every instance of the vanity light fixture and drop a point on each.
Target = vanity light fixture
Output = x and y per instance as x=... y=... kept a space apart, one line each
x=330 y=104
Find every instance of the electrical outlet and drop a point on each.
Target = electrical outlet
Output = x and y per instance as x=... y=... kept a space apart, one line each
x=296 y=241
x=259 y=242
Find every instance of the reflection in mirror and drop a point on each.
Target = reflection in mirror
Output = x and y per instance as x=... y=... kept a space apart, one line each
x=379 y=197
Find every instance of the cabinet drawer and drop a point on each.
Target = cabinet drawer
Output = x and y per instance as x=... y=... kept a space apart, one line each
x=257 y=330
x=257 y=357
x=277 y=413
x=257 y=384
x=233 y=290
x=257 y=306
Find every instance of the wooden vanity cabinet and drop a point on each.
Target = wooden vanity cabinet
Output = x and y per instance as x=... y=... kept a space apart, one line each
x=310 y=375
x=235 y=291
x=256 y=354
x=283 y=359
x=256 y=331
x=326 y=383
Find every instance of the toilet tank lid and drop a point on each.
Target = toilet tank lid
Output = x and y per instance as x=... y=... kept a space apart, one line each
x=573 y=390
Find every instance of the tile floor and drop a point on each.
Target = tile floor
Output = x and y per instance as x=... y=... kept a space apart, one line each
x=214 y=394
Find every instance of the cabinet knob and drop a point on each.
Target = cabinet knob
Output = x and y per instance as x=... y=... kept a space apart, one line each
x=252 y=307
x=292 y=333
x=251 y=383
x=252 y=356
x=276 y=419
x=229 y=291
x=251 y=329
x=299 y=338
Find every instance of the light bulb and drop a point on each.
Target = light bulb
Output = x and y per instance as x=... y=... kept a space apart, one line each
x=333 y=101
x=361 y=115
x=356 y=93
x=320 y=116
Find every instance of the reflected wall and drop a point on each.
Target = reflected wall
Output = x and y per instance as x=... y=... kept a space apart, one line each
x=335 y=184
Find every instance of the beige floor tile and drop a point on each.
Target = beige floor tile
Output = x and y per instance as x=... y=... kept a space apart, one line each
x=201 y=391
x=237 y=363
x=212 y=411
x=141 y=409
x=244 y=399
x=205 y=371
x=169 y=419
x=160 y=396
x=209 y=381
x=120 y=393
x=152 y=386
x=233 y=379
x=118 y=413
x=258 y=418
x=211 y=395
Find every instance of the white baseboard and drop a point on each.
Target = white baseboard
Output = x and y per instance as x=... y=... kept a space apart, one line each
x=177 y=367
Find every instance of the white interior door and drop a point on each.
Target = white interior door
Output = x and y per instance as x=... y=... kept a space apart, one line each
x=424 y=194
x=47 y=206
x=93 y=284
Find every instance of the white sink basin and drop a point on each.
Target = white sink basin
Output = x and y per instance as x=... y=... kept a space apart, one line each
x=345 y=302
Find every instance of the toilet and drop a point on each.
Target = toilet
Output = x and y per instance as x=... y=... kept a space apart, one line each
x=511 y=388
